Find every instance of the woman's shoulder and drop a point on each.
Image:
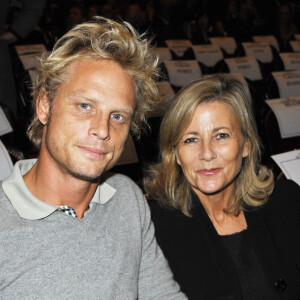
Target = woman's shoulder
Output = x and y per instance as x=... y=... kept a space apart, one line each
x=159 y=210
x=283 y=185
x=167 y=218
x=286 y=192
x=284 y=202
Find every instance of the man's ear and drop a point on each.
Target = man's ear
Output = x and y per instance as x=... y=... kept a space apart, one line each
x=43 y=108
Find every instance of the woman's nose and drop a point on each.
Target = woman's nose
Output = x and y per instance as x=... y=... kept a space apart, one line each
x=207 y=151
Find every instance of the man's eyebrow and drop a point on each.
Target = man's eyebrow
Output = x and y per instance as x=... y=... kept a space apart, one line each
x=127 y=111
x=75 y=94
x=79 y=94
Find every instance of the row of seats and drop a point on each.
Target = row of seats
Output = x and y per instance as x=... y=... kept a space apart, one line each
x=269 y=75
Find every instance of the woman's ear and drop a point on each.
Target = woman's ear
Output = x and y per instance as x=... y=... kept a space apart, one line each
x=246 y=148
x=177 y=156
x=43 y=108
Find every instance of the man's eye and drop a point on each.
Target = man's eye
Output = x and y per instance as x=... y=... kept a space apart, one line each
x=117 y=117
x=189 y=140
x=84 y=106
x=222 y=136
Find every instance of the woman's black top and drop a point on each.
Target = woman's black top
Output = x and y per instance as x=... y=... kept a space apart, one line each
x=251 y=276
x=206 y=268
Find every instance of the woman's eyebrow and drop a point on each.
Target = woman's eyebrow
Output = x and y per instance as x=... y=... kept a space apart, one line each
x=220 y=128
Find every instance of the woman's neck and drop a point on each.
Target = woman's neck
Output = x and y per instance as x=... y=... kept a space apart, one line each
x=215 y=206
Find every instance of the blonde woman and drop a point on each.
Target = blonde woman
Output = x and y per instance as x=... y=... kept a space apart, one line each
x=226 y=229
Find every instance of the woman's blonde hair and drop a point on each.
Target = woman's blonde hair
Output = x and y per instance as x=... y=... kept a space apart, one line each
x=100 y=38
x=165 y=180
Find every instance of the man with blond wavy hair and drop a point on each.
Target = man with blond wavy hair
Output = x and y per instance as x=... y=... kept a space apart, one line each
x=68 y=230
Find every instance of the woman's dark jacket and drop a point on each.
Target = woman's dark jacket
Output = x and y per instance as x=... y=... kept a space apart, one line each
x=202 y=265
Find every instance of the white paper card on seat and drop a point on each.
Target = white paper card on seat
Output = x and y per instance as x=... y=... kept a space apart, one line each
x=163 y=54
x=167 y=94
x=240 y=77
x=237 y=76
x=28 y=49
x=128 y=155
x=261 y=51
x=297 y=36
x=227 y=43
x=295 y=46
x=289 y=163
x=31 y=61
x=208 y=55
x=182 y=72
x=165 y=89
x=179 y=46
x=288 y=83
x=5 y=162
x=32 y=75
x=291 y=61
x=5 y=126
x=287 y=112
x=247 y=66
x=267 y=38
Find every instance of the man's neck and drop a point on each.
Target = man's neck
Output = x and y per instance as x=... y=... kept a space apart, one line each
x=52 y=186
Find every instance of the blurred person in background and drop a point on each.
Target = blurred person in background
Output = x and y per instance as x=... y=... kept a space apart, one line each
x=285 y=28
x=27 y=18
x=76 y=16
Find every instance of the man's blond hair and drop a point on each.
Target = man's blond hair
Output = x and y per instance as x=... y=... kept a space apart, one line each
x=100 y=38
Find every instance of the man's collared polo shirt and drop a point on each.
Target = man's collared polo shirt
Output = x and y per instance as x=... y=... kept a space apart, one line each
x=31 y=208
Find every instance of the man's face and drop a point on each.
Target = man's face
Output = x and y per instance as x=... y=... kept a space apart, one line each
x=88 y=123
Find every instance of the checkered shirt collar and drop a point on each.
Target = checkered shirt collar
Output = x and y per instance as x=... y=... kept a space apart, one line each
x=67 y=210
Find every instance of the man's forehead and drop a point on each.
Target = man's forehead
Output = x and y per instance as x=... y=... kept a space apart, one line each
x=89 y=79
x=86 y=63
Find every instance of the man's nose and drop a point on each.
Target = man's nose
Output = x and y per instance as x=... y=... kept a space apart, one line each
x=99 y=126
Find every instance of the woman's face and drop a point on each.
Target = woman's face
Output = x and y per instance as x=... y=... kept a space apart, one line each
x=211 y=149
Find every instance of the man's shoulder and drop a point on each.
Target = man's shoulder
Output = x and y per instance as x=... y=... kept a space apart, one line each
x=5 y=204
x=2 y=194
x=116 y=178
x=123 y=185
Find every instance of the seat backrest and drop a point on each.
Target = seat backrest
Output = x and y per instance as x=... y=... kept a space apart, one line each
x=180 y=49
x=5 y=162
x=287 y=84
x=167 y=93
x=291 y=60
x=260 y=50
x=182 y=72
x=295 y=45
x=247 y=65
x=275 y=143
x=228 y=44
x=208 y=55
x=287 y=112
x=271 y=39
x=163 y=54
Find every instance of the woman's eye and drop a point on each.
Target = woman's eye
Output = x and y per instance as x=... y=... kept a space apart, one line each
x=189 y=140
x=117 y=117
x=222 y=136
x=84 y=106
